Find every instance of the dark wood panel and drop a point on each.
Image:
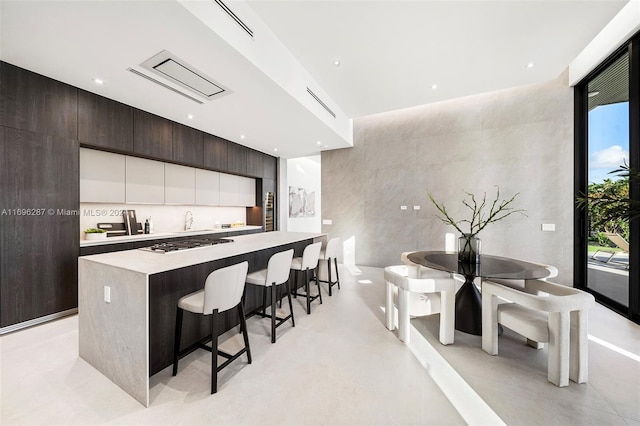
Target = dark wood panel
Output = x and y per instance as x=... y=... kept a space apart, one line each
x=30 y=101
x=152 y=136
x=166 y=288
x=255 y=161
x=38 y=266
x=237 y=158
x=215 y=152
x=270 y=167
x=187 y=145
x=104 y=123
x=268 y=185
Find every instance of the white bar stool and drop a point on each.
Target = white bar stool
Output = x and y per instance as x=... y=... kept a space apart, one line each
x=329 y=269
x=277 y=273
x=223 y=291
x=308 y=261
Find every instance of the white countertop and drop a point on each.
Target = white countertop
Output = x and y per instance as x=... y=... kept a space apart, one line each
x=147 y=262
x=150 y=237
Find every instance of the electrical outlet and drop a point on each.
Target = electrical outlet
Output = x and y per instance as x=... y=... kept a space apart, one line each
x=327 y=222
x=107 y=294
x=403 y=207
x=416 y=207
x=548 y=226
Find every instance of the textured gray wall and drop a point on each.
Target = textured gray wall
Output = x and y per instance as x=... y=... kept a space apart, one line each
x=520 y=139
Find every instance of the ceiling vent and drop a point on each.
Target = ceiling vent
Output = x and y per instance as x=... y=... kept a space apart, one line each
x=196 y=84
x=321 y=103
x=233 y=16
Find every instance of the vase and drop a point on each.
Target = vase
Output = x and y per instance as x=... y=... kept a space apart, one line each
x=468 y=249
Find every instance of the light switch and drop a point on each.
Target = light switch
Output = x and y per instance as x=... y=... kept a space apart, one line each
x=403 y=207
x=327 y=222
x=548 y=226
x=107 y=294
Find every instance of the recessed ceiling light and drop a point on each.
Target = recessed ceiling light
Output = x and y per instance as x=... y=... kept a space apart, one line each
x=336 y=62
x=434 y=86
x=319 y=143
x=275 y=149
x=98 y=81
x=529 y=65
x=190 y=116
x=241 y=136
x=594 y=93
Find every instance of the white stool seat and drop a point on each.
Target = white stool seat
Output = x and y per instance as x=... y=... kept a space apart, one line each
x=296 y=263
x=328 y=270
x=193 y=302
x=308 y=263
x=258 y=278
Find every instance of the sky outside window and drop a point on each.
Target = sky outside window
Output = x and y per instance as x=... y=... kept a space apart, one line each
x=608 y=140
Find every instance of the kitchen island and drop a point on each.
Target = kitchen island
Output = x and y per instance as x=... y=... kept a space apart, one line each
x=127 y=302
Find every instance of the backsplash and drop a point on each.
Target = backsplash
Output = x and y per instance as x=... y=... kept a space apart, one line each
x=165 y=218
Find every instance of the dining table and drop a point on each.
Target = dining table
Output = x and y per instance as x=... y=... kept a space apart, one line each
x=468 y=299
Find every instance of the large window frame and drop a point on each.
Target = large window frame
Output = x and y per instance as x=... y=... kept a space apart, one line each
x=581 y=124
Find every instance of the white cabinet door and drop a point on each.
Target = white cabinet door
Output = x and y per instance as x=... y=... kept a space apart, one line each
x=102 y=177
x=207 y=188
x=247 y=191
x=229 y=185
x=179 y=184
x=144 y=181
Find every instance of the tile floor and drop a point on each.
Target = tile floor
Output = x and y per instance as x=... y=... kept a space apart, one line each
x=339 y=365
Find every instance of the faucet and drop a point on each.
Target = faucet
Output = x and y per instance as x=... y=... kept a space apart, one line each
x=188 y=221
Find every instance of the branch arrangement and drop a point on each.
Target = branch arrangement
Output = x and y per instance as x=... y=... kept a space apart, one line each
x=498 y=210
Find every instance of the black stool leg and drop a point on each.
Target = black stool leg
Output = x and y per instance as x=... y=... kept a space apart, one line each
x=214 y=352
x=176 y=341
x=293 y=321
x=273 y=313
x=307 y=289
x=335 y=260
x=329 y=275
x=243 y=328
x=318 y=285
x=264 y=302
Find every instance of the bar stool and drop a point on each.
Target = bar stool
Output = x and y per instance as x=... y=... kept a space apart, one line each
x=328 y=269
x=308 y=261
x=277 y=273
x=223 y=291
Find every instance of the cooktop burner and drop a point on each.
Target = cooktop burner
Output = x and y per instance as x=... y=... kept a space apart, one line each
x=193 y=243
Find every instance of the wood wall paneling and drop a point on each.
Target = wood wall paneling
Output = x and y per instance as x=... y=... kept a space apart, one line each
x=215 y=152
x=152 y=136
x=270 y=167
x=104 y=123
x=237 y=158
x=188 y=145
x=255 y=163
x=30 y=101
x=38 y=266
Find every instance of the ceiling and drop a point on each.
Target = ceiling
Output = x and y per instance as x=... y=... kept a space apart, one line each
x=390 y=53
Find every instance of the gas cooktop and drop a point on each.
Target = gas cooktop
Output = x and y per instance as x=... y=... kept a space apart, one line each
x=171 y=247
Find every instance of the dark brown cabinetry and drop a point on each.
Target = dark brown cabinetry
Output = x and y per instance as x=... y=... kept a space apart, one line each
x=39 y=226
x=187 y=145
x=255 y=167
x=237 y=158
x=152 y=136
x=270 y=167
x=33 y=102
x=104 y=123
x=215 y=152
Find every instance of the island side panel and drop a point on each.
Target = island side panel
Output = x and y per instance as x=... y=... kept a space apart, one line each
x=166 y=288
x=113 y=337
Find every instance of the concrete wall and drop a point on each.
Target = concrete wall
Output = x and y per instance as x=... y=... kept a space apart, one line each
x=520 y=139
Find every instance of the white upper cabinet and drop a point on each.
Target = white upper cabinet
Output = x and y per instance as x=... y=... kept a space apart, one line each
x=102 y=177
x=179 y=184
x=237 y=191
x=144 y=181
x=207 y=188
x=247 y=191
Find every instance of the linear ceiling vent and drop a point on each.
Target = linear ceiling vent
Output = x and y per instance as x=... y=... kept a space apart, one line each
x=233 y=16
x=321 y=103
x=172 y=69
